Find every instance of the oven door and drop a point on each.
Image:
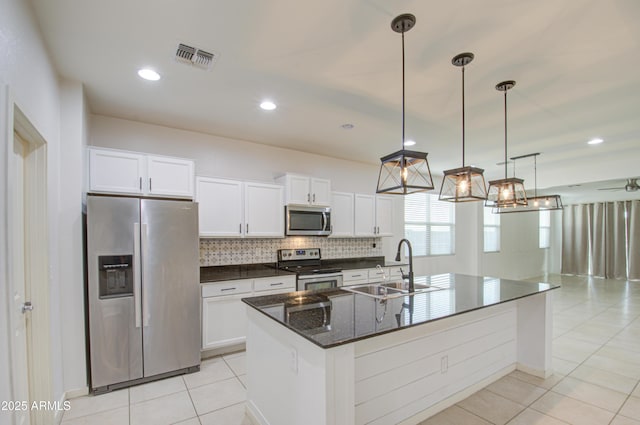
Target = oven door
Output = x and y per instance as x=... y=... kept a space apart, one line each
x=319 y=281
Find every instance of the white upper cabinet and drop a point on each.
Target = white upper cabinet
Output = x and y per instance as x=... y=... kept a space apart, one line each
x=304 y=190
x=170 y=176
x=263 y=210
x=373 y=215
x=341 y=214
x=115 y=171
x=384 y=216
x=236 y=209
x=365 y=215
x=220 y=207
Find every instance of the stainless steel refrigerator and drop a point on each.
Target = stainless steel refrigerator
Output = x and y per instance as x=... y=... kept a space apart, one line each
x=142 y=289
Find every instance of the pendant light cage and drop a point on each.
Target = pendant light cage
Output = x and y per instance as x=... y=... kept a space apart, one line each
x=466 y=183
x=535 y=202
x=404 y=172
x=508 y=192
x=463 y=184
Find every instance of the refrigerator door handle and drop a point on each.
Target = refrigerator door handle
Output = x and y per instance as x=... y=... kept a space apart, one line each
x=145 y=298
x=136 y=274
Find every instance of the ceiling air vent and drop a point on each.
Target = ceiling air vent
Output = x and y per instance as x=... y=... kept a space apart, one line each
x=194 y=56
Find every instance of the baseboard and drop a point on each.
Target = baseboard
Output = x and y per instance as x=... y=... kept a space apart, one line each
x=68 y=395
x=457 y=397
x=544 y=374
x=254 y=414
x=214 y=352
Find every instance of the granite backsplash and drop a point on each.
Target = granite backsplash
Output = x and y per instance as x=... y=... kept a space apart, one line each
x=221 y=252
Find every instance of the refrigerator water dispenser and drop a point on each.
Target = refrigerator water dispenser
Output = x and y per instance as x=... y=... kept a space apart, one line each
x=116 y=276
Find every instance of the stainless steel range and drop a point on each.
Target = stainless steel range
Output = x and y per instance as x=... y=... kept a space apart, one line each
x=307 y=265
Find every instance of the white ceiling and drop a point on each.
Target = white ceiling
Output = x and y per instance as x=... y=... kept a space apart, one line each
x=327 y=63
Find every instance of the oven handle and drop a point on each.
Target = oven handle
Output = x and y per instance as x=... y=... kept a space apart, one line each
x=324 y=220
x=318 y=276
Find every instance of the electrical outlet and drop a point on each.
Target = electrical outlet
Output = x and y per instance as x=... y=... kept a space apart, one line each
x=294 y=360
x=444 y=364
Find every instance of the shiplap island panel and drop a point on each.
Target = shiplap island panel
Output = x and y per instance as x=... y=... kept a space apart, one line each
x=400 y=362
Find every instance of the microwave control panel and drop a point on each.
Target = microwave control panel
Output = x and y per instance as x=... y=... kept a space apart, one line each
x=299 y=254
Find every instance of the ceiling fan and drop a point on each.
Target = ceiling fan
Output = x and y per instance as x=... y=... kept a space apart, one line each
x=631 y=186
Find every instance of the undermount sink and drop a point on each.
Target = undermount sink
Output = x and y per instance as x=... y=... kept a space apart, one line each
x=388 y=290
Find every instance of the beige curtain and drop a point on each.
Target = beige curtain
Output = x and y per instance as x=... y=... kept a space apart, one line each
x=633 y=218
x=575 y=239
x=609 y=240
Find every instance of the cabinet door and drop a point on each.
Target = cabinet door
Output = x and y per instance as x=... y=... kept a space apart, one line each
x=341 y=214
x=365 y=214
x=263 y=210
x=224 y=321
x=320 y=192
x=220 y=207
x=298 y=190
x=384 y=216
x=170 y=176
x=116 y=172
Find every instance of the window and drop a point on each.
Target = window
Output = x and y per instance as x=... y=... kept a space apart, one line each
x=429 y=224
x=491 y=231
x=544 y=235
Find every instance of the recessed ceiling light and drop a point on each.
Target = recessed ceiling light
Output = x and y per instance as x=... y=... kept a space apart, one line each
x=347 y=126
x=148 y=74
x=596 y=141
x=409 y=143
x=268 y=105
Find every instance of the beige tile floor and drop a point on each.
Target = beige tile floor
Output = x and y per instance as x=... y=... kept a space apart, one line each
x=596 y=351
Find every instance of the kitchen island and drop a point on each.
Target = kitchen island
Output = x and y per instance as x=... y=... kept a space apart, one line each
x=336 y=357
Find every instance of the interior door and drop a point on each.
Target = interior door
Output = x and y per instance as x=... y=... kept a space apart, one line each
x=20 y=317
x=170 y=285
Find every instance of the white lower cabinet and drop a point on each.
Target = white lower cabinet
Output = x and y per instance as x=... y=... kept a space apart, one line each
x=224 y=315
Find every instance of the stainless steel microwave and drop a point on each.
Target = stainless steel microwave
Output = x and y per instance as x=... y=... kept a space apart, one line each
x=301 y=220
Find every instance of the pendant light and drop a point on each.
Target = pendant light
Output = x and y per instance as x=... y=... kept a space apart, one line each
x=535 y=203
x=507 y=192
x=404 y=171
x=465 y=183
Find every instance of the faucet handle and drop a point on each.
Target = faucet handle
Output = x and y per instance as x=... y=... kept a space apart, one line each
x=404 y=276
x=384 y=275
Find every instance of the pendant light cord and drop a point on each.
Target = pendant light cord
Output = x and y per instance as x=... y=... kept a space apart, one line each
x=505 y=134
x=463 y=115
x=403 y=89
x=535 y=176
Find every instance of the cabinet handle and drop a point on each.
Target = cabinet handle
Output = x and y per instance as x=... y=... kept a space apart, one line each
x=240 y=228
x=246 y=230
x=314 y=197
x=308 y=197
x=356 y=275
x=140 y=183
x=276 y=284
x=228 y=289
x=149 y=184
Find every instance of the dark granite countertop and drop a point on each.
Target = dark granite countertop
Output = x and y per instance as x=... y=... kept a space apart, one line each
x=354 y=317
x=254 y=271
x=243 y=271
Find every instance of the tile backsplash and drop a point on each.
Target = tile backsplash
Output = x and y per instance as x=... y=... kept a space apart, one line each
x=221 y=252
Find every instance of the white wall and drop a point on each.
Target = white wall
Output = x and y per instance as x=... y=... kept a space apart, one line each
x=519 y=255
x=73 y=140
x=59 y=114
x=231 y=158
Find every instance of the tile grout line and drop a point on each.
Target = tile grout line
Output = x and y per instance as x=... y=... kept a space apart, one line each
x=191 y=399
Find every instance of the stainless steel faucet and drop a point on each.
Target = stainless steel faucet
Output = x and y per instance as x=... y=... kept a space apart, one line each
x=410 y=275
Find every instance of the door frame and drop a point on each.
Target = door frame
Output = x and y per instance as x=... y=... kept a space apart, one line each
x=36 y=255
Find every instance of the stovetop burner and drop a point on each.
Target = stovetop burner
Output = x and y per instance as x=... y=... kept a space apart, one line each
x=303 y=261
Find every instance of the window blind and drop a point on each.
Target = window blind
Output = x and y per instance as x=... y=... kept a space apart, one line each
x=429 y=224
